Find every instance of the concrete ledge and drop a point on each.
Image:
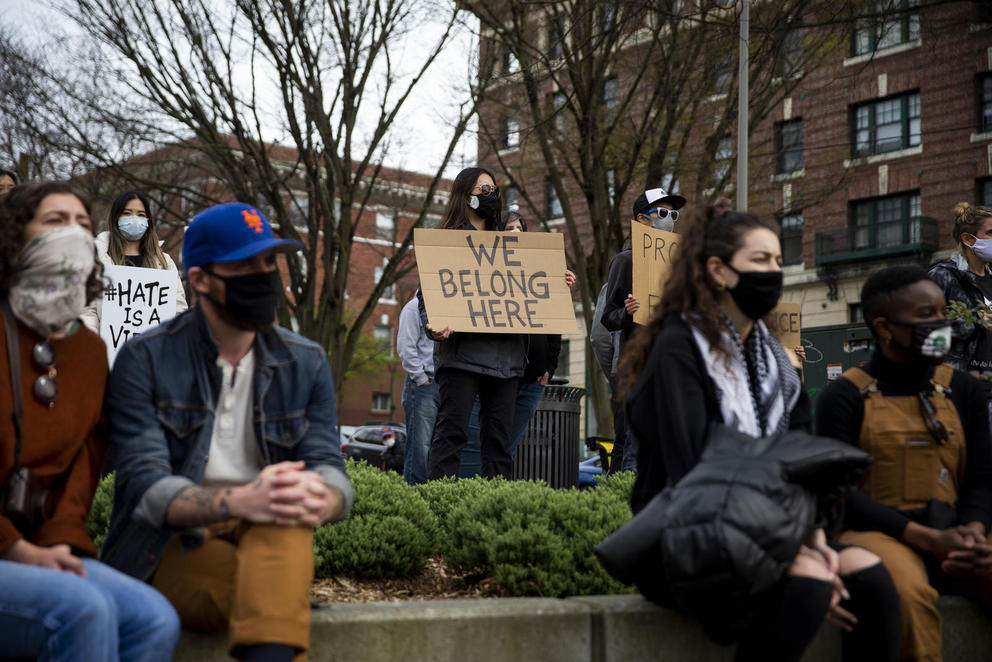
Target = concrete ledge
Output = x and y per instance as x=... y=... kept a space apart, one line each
x=603 y=628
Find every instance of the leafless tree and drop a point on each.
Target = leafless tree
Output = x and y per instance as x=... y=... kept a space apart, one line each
x=225 y=88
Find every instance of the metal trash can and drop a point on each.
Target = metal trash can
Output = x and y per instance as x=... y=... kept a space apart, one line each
x=549 y=450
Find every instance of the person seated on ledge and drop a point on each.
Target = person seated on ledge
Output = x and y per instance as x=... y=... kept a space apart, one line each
x=925 y=504
x=59 y=603
x=706 y=357
x=224 y=432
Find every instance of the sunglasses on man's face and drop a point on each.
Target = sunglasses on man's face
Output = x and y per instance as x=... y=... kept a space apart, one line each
x=46 y=389
x=663 y=213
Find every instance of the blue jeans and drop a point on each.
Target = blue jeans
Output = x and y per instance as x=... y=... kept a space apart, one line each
x=528 y=397
x=57 y=616
x=420 y=406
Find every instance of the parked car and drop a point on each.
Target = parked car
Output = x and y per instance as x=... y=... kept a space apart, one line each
x=588 y=471
x=371 y=443
x=346 y=432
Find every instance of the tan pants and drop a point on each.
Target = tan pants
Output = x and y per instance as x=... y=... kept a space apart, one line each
x=921 y=623
x=253 y=579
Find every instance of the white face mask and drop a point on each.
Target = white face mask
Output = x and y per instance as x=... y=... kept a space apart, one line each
x=982 y=248
x=50 y=288
x=667 y=224
x=132 y=228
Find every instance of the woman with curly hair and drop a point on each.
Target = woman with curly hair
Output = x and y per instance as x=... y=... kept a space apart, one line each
x=57 y=599
x=966 y=277
x=130 y=240
x=706 y=357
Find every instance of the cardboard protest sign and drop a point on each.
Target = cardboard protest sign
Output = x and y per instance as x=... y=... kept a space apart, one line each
x=135 y=299
x=495 y=282
x=653 y=252
x=784 y=323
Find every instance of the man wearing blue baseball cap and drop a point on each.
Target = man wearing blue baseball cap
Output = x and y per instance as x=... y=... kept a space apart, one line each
x=224 y=435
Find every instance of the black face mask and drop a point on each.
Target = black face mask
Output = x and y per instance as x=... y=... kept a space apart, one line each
x=757 y=292
x=485 y=206
x=931 y=340
x=250 y=299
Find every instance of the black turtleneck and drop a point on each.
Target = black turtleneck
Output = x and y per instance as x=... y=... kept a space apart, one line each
x=840 y=410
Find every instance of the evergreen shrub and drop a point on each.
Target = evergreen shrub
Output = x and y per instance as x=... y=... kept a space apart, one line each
x=391 y=531
x=98 y=521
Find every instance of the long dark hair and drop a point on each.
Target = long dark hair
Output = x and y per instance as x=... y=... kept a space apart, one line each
x=17 y=209
x=690 y=291
x=456 y=212
x=151 y=255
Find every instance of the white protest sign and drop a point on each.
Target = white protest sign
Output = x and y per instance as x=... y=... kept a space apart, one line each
x=135 y=299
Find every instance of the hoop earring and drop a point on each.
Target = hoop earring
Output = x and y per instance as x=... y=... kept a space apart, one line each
x=720 y=287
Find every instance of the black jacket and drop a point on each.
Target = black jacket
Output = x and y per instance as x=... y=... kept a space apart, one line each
x=959 y=284
x=719 y=540
x=670 y=407
x=618 y=286
x=542 y=356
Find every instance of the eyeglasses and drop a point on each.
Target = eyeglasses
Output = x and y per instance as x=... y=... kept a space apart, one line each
x=46 y=389
x=486 y=189
x=663 y=213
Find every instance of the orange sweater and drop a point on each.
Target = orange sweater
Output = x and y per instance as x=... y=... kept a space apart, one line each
x=69 y=440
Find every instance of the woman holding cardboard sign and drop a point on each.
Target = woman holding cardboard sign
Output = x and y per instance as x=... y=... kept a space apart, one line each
x=706 y=359
x=130 y=240
x=466 y=364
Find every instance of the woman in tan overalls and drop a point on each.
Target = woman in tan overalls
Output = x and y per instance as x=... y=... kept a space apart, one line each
x=925 y=505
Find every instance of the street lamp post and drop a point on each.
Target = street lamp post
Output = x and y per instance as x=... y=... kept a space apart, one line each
x=742 y=109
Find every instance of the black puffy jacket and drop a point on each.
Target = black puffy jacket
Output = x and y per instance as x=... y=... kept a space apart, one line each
x=725 y=534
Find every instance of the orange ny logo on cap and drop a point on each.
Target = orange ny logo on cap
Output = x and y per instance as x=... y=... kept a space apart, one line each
x=253 y=220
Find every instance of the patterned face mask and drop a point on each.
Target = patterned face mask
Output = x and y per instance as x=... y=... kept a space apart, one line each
x=50 y=289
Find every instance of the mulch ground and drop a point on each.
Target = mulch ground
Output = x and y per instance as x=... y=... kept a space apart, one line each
x=434 y=582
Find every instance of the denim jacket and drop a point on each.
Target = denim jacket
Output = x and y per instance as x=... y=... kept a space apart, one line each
x=161 y=400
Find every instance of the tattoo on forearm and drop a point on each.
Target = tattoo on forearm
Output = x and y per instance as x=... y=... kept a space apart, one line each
x=194 y=506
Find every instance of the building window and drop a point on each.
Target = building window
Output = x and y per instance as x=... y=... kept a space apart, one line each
x=510 y=63
x=985 y=192
x=789 y=145
x=791 y=58
x=382 y=403
x=383 y=335
x=553 y=203
x=887 y=125
x=510 y=132
x=722 y=72
x=722 y=160
x=385 y=224
x=881 y=222
x=556 y=37
x=891 y=23
x=792 y=239
x=557 y=103
x=389 y=293
x=611 y=94
x=511 y=199
x=854 y=313
x=985 y=103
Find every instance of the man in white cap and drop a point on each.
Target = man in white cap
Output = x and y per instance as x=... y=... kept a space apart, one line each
x=658 y=209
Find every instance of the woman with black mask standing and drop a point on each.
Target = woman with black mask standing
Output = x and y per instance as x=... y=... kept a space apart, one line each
x=467 y=364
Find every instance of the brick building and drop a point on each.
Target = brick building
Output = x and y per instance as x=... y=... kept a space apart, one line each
x=374 y=384
x=862 y=158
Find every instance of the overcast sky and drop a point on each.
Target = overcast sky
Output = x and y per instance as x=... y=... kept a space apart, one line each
x=420 y=135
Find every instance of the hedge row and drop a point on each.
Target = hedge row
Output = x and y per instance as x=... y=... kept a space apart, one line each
x=531 y=539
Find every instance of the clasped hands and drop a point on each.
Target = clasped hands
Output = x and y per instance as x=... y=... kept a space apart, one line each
x=287 y=495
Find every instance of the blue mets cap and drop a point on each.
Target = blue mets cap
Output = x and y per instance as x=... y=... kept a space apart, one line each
x=230 y=232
